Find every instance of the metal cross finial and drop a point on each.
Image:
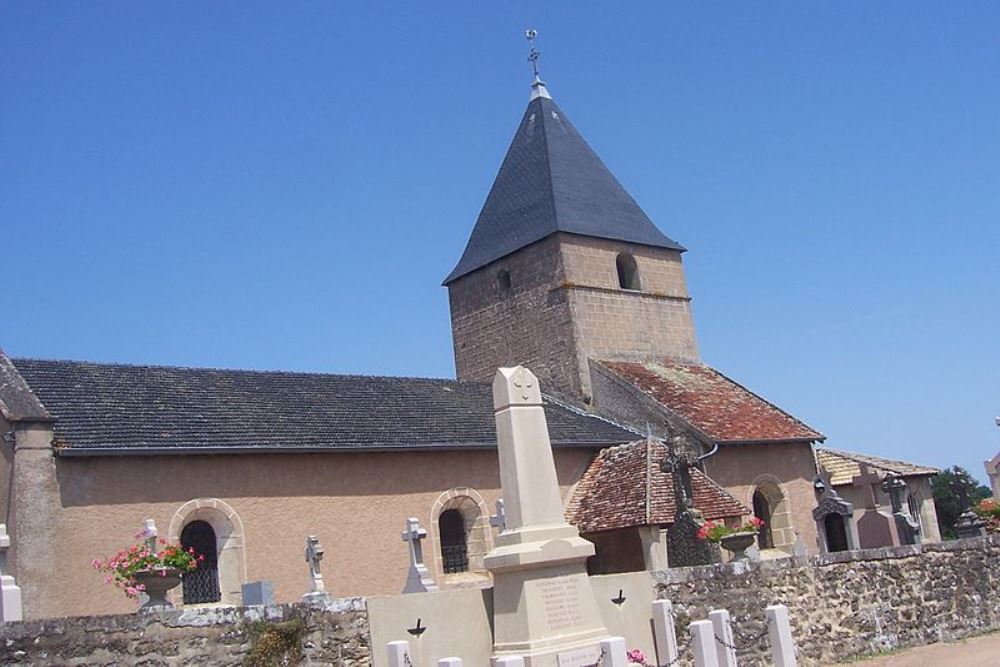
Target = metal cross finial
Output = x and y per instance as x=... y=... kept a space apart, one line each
x=533 y=54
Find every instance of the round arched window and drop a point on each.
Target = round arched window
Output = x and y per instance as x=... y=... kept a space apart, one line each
x=202 y=585
x=628 y=271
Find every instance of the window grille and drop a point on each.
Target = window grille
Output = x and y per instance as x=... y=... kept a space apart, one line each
x=202 y=585
x=454 y=544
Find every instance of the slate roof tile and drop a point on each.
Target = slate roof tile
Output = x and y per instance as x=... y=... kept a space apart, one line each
x=613 y=491
x=113 y=407
x=711 y=402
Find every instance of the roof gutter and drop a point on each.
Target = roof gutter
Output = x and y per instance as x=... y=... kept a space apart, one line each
x=86 y=452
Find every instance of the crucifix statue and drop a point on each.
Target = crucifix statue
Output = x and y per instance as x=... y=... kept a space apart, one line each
x=678 y=462
x=314 y=554
x=418 y=580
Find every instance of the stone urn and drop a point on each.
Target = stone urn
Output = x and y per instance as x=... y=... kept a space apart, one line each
x=157 y=581
x=738 y=543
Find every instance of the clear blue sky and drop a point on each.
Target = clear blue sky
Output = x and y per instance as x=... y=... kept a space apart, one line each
x=284 y=185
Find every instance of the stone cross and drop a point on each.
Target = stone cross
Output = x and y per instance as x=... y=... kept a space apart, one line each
x=314 y=554
x=868 y=480
x=418 y=580
x=499 y=520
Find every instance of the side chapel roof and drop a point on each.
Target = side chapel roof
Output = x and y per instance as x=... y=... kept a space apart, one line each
x=845 y=466
x=624 y=487
x=552 y=181
x=725 y=411
x=120 y=409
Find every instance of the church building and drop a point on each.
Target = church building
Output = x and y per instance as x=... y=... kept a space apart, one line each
x=563 y=273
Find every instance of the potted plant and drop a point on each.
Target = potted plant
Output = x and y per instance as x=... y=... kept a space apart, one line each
x=152 y=567
x=736 y=540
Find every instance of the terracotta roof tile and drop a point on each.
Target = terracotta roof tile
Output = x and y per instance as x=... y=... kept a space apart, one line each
x=717 y=406
x=612 y=492
x=844 y=466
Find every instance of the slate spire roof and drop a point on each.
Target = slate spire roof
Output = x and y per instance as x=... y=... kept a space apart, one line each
x=552 y=181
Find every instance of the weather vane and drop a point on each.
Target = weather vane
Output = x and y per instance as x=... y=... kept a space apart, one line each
x=533 y=54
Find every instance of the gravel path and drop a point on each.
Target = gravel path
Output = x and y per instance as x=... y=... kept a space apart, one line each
x=982 y=651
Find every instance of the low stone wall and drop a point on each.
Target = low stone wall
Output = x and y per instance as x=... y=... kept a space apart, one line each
x=334 y=634
x=850 y=604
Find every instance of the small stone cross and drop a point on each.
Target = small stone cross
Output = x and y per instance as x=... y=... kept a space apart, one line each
x=418 y=580
x=314 y=554
x=413 y=534
x=869 y=480
x=499 y=520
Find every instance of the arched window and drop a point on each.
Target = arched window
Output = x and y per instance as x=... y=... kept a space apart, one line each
x=202 y=585
x=454 y=545
x=762 y=510
x=628 y=272
x=503 y=280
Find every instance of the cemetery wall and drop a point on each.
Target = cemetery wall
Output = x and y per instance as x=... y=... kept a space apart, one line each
x=334 y=635
x=852 y=603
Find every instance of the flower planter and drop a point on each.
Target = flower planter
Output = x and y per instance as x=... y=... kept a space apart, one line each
x=738 y=543
x=157 y=581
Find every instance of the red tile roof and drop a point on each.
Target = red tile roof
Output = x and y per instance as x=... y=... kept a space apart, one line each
x=613 y=491
x=723 y=410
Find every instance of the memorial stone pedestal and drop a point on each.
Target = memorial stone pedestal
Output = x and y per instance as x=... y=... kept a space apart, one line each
x=544 y=609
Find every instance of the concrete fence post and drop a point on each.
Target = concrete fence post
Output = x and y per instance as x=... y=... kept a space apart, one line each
x=779 y=630
x=450 y=662
x=722 y=625
x=664 y=632
x=399 y=653
x=509 y=661
x=703 y=644
x=613 y=649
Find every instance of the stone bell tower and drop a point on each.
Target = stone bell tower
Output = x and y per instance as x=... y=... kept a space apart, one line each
x=563 y=266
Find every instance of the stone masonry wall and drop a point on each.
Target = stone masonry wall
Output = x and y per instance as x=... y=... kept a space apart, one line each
x=851 y=603
x=564 y=306
x=336 y=635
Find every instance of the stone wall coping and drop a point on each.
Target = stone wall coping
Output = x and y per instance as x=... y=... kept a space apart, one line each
x=180 y=617
x=700 y=572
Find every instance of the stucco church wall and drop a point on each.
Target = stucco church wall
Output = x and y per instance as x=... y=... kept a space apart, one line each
x=741 y=469
x=355 y=503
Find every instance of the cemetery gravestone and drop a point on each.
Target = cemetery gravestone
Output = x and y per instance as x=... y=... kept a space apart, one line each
x=875 y=528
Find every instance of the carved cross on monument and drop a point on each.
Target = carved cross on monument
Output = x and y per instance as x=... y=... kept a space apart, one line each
x=868 y=480
x=418 y=580
x=499 y=520
x=314 y=554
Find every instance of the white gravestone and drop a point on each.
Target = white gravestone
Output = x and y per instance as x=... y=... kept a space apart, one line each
x=544 y=609
x=10 y=592
x=418 y=579
x=725 y=648
x=703 y=644
x=664 y=632
x=779 y=629
x=317 y=587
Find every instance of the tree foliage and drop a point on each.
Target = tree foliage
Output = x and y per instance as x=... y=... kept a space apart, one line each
x=955 y=490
